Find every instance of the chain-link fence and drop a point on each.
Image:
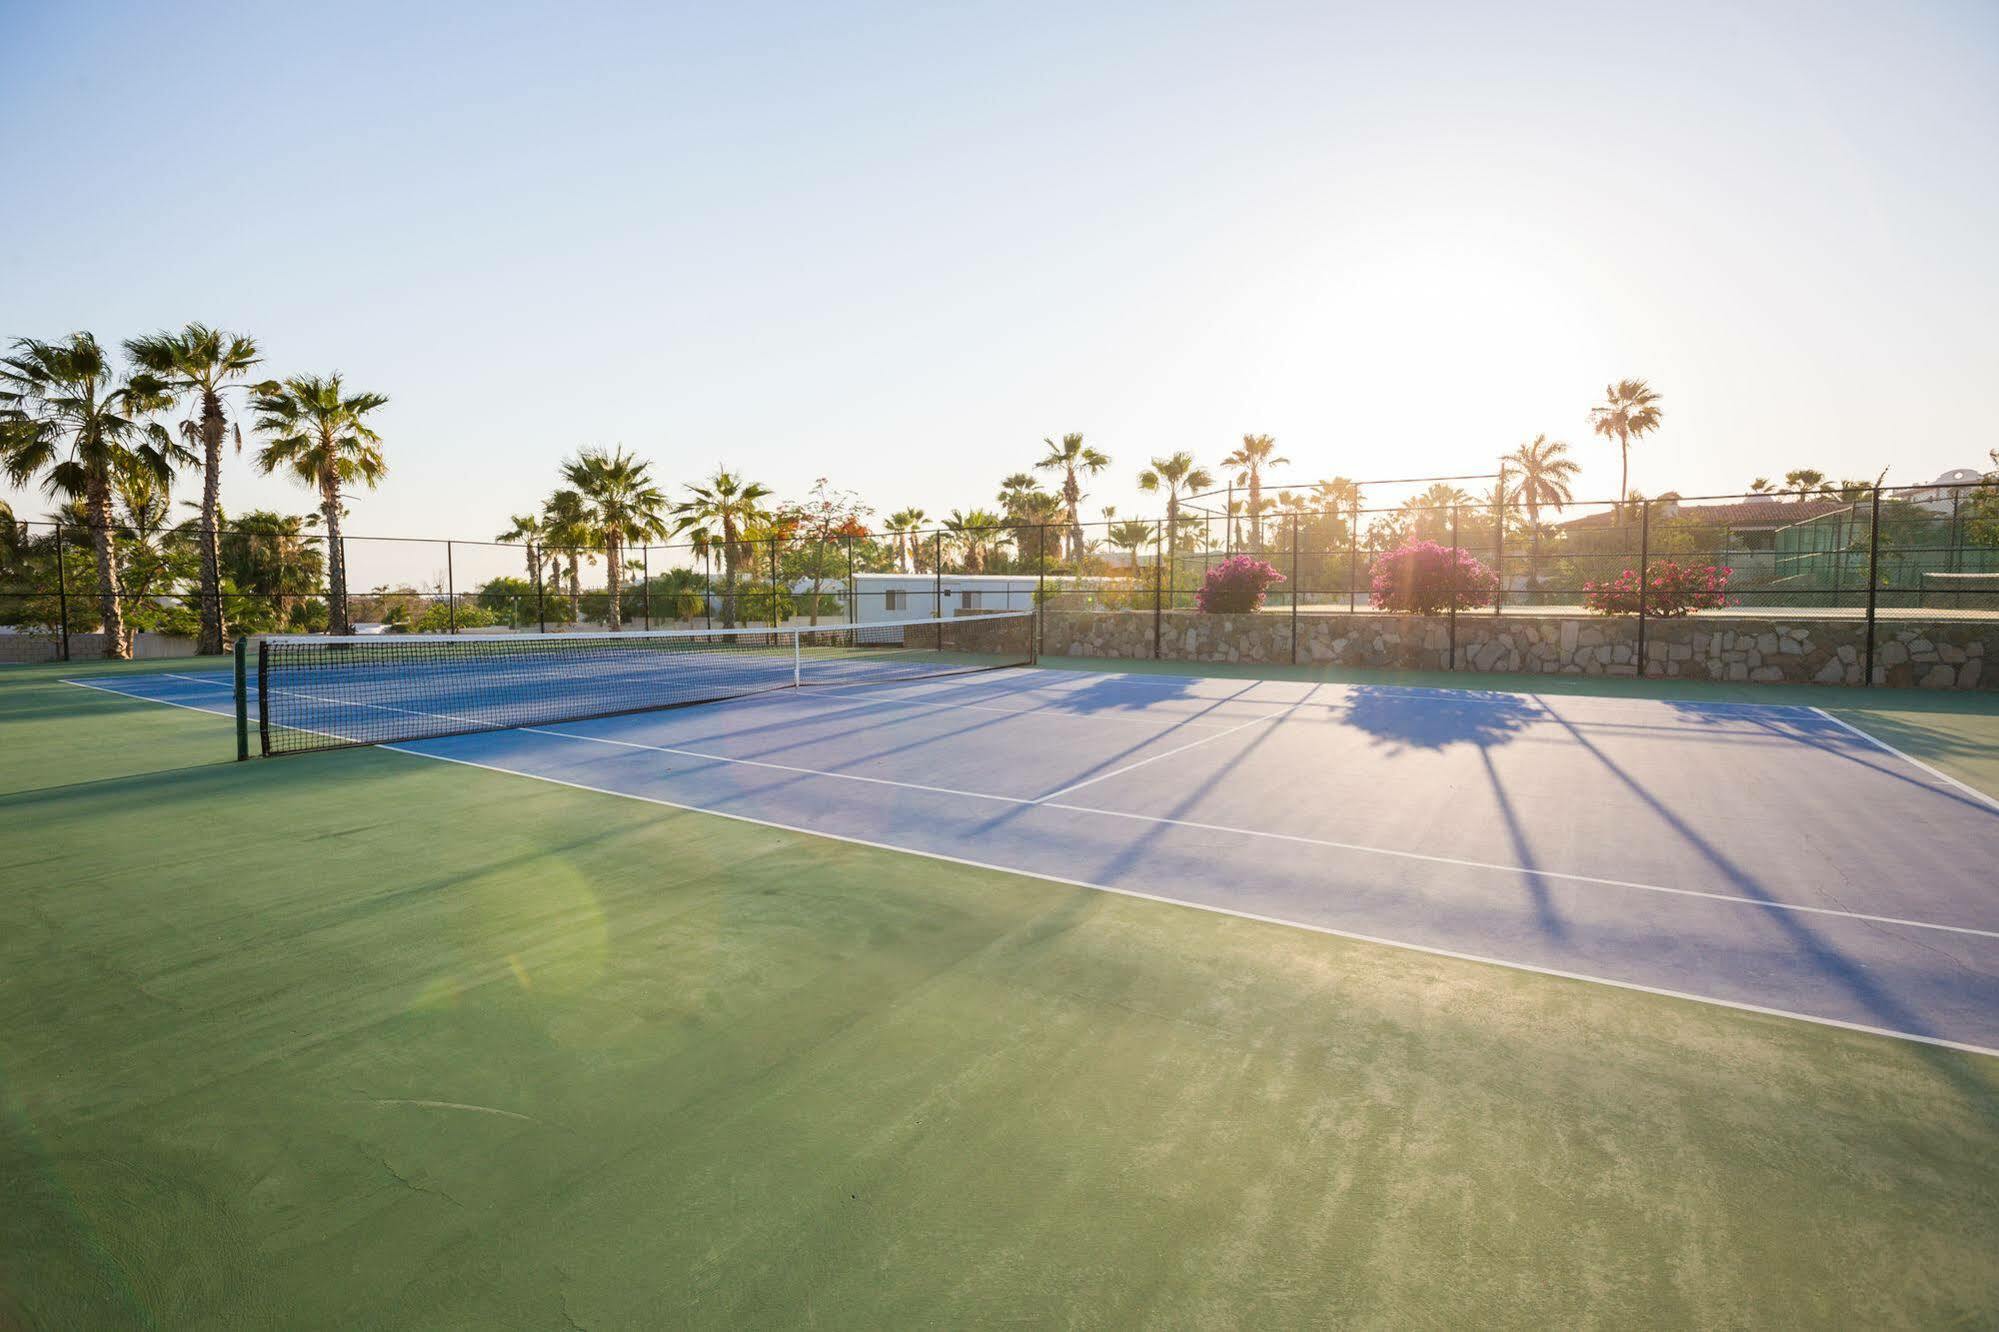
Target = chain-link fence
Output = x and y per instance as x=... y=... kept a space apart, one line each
x=1628 y=578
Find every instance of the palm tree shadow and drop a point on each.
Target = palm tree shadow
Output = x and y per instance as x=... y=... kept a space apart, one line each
x=1851 y=975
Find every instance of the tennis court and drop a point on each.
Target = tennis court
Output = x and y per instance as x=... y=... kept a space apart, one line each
x=1762 y=856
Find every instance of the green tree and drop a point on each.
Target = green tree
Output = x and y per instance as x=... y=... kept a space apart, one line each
x=1175 y=476
x=902 y=525
x=268 y=557
x=197 y=365
x=68 y=416
x=976 y=535
x=1074 y=460
x=1132 y=535
x=718 y=514
x=572 y=535
x=1258 y=453
x=1629 y=410
x=319 y=432
x=1803 y=483
x=624 y=506
x=1541 y=472
x=822 y=524
x=527 y=529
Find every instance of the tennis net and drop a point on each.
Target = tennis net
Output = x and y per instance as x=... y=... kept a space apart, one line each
x=325 y=692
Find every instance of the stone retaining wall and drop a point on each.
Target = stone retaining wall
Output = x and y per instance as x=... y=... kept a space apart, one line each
x=1774 y=650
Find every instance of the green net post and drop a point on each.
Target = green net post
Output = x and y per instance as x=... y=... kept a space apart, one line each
x=242 y=699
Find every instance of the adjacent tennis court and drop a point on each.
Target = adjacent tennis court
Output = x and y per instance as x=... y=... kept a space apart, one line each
x=1771 y=857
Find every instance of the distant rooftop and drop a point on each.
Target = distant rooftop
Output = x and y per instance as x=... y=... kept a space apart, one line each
x=1762 y=511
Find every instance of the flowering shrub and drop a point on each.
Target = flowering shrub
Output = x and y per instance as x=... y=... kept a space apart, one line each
x=1418 y=576
x=1674 y=589
x=1236 y=585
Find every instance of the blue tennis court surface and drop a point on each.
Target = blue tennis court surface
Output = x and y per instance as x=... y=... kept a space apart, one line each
x=1766 y=856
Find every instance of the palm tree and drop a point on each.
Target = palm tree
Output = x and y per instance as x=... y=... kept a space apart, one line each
x=265 y=555
x=1026 y=505
x=1257 y=452
x=1543 y=470
x=527 y=529
x=1802 y=482
x=1132 y=535
x=568 y=527
x=975 y=533
x=1071 y=457
x=624 y=506
x=1176 y=475
x=65 y=411
x=199 y=363
x=902 y=525
x=1760 y=486
x=319 y=433
x=1630 y=410
x=719 y=513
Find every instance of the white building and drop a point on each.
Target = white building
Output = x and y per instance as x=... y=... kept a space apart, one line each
x=918 y=596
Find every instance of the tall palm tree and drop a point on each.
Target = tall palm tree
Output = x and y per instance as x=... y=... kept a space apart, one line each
x=719 y=512
x=1073 y=459
x=198 y=364
x=624 y=505
x=902 y=525
x=1541 y=475
x=1132 y=535
x=569 y=528
x=319 y=432
x=66 y=412
x=1176 y=475
x=1026 y=505
x=1257 y=453
x=1629 y=410
x=1760 y=486
x=976 y=534
x=1803 y=482
x=527 y=529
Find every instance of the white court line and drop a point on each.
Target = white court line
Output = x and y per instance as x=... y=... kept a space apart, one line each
x=1192 y=744
x=1212 y=909
x=762 y=763
x=146 y=698
x=1496 y=867
x=1230 y=911
x=1910 y=759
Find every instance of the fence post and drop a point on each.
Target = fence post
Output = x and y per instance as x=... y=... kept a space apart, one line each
x=645 y=581
x=1040 y=590
x=347 y=625
x=1873 y=582
x=1454 y=588
x=1644 y=577
x=707 y=587
x=242 y=691
x=1158 y=589
x=1353 y=561
x=1228 y=523
x=773 y=583
x=853 y=592
x=450 y=592
x=1499 y=545
x=62 y=593
x=937 y=585
x=540 y=606
x=1294 y=589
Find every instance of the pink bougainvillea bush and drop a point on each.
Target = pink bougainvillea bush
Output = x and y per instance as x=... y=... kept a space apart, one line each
x=1236 y=585
x=1419 y=575
x=1673 y=589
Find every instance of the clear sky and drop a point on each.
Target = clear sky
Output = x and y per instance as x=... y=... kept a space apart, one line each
x=898 y=246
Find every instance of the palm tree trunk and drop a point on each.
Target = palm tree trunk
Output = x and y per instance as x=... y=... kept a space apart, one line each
x=1072 y=494
x=575 y=590
x=1255 y=511
x=110 y=609
x=729 y=557
x=336 y=559
x=213 y=630
x=1624 y=470
x=613 y=567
